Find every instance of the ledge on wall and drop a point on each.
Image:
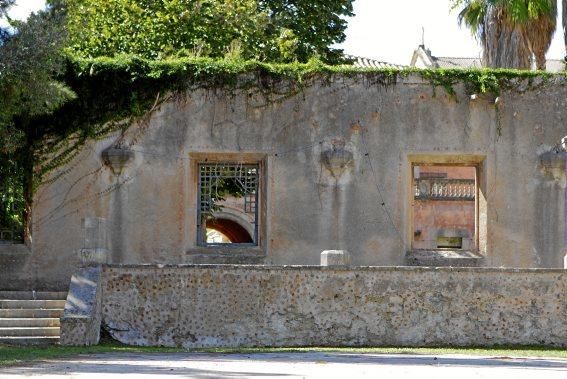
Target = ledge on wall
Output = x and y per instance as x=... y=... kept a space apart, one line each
x=226 y=255
x=14 y=248
x=444 y=258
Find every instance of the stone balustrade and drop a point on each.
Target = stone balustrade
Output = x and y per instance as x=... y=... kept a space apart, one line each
x=444 y=189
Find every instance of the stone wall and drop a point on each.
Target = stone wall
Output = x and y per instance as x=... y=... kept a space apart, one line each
x=206 y=306
x=306 y=206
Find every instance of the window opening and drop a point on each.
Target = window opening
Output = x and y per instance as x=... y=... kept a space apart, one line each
x=444 y=209
x=228 y=197
x=12 y=209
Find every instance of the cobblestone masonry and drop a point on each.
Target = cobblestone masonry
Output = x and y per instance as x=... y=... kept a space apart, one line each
x=206 y=306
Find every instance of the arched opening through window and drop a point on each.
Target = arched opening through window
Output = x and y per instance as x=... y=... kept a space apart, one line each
x=227 y=231
x=228 y=194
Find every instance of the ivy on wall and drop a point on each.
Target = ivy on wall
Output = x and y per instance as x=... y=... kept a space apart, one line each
x=112 y=92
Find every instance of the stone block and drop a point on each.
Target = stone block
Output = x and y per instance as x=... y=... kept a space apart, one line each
x=335 y=258
x=444 y=258
x=80 y=324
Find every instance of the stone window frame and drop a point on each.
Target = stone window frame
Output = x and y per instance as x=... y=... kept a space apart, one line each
x=439 y=256
x=256 y=250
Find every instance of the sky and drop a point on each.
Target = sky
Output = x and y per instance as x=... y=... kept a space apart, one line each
x=389 y=30
x=23 y=9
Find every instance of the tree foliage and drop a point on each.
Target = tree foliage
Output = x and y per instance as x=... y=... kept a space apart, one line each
x=266 y=30
x=564 y=22
x=510 y=31
x=306 y=27
x=155 y=29
x=30 y=59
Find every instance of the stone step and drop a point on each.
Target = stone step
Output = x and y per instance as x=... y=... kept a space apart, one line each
x=32 y=295
x=32 y=304
x=48 y=331
x=30 y=313
x=50 y=340
x=29 y=322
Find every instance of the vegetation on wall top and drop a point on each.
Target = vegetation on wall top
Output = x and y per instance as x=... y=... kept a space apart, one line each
x=216 y=72
x=111 y=90
x=206 y=72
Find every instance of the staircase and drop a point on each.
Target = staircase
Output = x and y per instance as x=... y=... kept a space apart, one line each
x=30 y=317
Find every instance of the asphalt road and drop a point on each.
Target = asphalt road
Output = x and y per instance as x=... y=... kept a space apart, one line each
x=289 y=365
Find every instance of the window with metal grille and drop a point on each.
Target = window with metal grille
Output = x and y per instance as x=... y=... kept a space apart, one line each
x=228 y=197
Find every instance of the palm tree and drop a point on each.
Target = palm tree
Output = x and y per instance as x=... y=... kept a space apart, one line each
x=564 y=21
x=511 y=31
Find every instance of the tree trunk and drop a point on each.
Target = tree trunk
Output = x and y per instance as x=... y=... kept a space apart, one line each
x=564 y=21
x=27 y=163
x=503 y=44
x=538 y=34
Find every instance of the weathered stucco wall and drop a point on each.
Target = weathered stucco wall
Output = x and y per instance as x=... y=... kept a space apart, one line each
x=151 y=206
x=205 y=306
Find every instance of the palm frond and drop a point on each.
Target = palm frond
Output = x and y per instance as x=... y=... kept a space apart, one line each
x=473 y=16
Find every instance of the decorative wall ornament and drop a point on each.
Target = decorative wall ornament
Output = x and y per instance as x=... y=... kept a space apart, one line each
x=337 y=159
x=553 y=164
x=117 y=158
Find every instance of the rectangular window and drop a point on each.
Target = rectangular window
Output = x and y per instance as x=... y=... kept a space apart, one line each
x=444 y=207
x=228 y=199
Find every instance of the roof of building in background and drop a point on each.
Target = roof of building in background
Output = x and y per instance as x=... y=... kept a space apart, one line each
x=456 y=62
x=422 y=58
x=362 y=62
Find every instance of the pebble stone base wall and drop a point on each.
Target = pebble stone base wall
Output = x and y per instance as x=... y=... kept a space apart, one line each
x=230 y=306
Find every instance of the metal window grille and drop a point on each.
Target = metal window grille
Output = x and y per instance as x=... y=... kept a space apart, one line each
x=217 y=180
